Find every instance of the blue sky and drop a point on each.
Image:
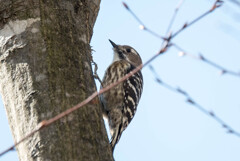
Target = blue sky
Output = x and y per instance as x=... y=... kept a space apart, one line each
x=165 y=127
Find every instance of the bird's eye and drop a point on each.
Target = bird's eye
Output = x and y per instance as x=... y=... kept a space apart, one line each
x=128 y=50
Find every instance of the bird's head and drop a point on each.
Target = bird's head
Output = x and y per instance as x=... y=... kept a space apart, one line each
x=125 y=52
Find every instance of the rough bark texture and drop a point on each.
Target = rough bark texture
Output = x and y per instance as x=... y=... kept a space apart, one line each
x=44 y=69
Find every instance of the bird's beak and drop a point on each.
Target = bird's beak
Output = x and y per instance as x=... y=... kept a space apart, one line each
x=113 y=44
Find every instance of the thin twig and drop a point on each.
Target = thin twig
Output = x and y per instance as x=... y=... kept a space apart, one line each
x=95 y=75
x=202 y=58
x=194 y=103
x=174 y=16
x=168 y=33
x=142 y=26
x=217 y=4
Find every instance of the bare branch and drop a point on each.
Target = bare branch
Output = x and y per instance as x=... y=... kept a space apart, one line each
x=202 y=58
x=174 y=16
x=141 y=26
x=217 y=4
x=191 y=101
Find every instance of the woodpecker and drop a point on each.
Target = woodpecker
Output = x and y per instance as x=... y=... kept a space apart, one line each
x=119 y=104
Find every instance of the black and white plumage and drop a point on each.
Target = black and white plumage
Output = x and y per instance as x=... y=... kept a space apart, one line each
x=120 y=103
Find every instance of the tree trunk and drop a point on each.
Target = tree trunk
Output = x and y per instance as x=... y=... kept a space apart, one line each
x=45 y=68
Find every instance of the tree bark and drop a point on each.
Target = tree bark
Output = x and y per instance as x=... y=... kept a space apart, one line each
x=45 y=68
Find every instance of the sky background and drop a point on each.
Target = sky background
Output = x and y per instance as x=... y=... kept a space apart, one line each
x=165 y=126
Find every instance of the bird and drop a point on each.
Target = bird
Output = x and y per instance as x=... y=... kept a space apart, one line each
x=119 y=104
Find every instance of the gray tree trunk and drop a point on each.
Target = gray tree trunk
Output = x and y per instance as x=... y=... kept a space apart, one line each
x=45 y=69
